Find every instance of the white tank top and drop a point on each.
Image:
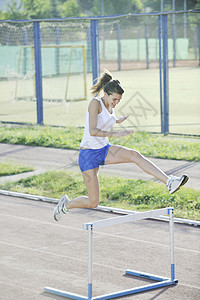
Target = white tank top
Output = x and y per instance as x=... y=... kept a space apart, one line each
x=105 y=121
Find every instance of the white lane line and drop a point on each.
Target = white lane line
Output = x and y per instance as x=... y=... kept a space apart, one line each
x=147 y=242
x=190 y=286
x=41 y=251
x=37 y=249
x=57 y=255
x=54 y=223
x=119 y=233
x=97 y=236
x=79 y=260
x=101 y=233
x=67 y=243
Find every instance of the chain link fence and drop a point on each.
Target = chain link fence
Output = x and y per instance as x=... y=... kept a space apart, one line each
x=73 y=54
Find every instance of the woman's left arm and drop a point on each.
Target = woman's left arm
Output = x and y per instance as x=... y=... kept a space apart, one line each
x=122 y=119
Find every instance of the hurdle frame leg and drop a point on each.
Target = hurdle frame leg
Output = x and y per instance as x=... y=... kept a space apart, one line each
x=155 y=277
x=90 y=262
x=90 y=275
x=171 y=224
x=161 y=281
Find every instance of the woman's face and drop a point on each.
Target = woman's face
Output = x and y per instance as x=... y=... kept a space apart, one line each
x=113 y=99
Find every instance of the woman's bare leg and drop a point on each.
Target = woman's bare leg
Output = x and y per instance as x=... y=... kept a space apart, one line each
x=118 y=154
x=92 y=184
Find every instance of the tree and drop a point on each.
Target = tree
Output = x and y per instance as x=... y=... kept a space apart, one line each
x=86 y=6
x=195 y=18
x=42 y=9
x=54 y=9
x=116 y=7
x=13 y=12
x=37 y=9
x=69 y=9
x=179 y=4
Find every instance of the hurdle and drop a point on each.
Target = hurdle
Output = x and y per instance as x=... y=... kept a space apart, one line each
x=160 y=281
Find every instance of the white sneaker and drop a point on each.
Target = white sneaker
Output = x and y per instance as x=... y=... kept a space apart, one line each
x=60 y=208
x=174 y=183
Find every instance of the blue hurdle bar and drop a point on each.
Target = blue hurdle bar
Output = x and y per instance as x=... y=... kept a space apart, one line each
x=161 y=281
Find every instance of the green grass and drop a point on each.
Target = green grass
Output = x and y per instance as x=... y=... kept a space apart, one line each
x=10 y=168
x=68 y=138
x=180 y=148
x=117 y=192
x=122 y=193
x=163 y=146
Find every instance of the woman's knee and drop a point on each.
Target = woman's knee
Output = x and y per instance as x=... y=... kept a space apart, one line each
x=136 y=156
x=93 y=203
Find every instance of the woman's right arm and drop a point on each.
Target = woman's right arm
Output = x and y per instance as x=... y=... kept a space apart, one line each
x=93 y=117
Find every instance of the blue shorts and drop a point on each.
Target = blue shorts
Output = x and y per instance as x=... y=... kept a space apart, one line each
x=92 y=158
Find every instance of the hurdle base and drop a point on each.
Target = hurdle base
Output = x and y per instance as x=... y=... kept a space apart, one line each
x=64 y=293
x=162 y=282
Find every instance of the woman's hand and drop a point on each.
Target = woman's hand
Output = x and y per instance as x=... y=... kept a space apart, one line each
x=122 y=119
x=123 y=133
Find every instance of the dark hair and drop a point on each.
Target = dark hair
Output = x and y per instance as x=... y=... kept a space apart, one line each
x=106 y=83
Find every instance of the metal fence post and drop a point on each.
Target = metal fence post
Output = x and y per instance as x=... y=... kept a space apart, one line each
x=25 y=50
x=195 y=42
x=147 y=46
x=119 y=46
x=57 y=51
x=160 y=71
x=38 y=72
x=174 y=44
x=165 y=74
x=174 y=34
x=199 y=42
x=138 y=44
x=88 y=47
x=95 y=50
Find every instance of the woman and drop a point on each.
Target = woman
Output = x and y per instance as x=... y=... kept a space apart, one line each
x=95 y=149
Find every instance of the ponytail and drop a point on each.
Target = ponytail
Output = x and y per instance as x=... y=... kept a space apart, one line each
x=103 y=79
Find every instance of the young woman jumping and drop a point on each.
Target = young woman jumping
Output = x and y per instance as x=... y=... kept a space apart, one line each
x=95 y=149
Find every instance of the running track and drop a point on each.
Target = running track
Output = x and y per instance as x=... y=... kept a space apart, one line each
x=37 y=252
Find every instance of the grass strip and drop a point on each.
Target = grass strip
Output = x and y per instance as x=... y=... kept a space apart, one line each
x=10 y=168
x=159 y=146
x=116 y=192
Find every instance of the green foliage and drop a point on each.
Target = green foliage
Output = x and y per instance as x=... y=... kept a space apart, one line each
x=113 y=7
x=10 y=168
x=69 y=9
x=54 y=9
x=161 y=146
x=13 y=11
x=179 y=4
x=70 y=137
x=50 y=184
x=117 y=192
x=37 y=9
x=195 y=18
x=86 y=6
x=41 y=9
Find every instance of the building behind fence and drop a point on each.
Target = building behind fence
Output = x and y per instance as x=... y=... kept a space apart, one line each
x=44 y=63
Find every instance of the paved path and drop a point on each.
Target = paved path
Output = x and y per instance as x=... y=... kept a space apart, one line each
x=43 y=159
